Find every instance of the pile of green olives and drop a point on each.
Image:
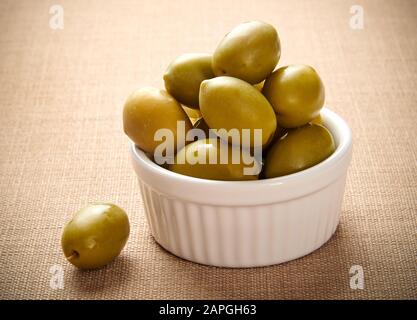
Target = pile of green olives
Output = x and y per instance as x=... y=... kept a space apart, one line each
x=237 y=87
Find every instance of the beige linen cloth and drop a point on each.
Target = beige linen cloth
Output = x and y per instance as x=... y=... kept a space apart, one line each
x=62 y=145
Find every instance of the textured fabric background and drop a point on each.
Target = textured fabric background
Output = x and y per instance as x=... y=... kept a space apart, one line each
x=62 y=146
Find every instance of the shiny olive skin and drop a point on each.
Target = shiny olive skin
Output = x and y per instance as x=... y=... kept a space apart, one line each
x=231 y=103
x=296 y=93
x=148 y=110
x=249 y=52
x=95 y=235
x=299 y=149
x=212 y=171
x=184 y=76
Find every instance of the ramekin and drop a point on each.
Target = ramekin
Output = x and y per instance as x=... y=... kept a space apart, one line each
x=246 y=223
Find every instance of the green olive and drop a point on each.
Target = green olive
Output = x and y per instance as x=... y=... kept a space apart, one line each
x=216 y=170
x=95 y=235
x=230 y=103
x=249 y=52
x=148 y=110
x=299 y=149
x=184 y=76
x=297 y=94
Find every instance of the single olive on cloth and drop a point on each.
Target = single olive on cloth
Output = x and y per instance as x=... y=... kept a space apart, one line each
x=296 y=93
x=298 y=149
x=95 y=235
x=146 y=111
x=230 y=103
x=202 y=159
x=184 y=75
x=249 y=52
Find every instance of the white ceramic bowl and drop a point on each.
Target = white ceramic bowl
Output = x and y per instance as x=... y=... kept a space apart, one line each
x=246 y=223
